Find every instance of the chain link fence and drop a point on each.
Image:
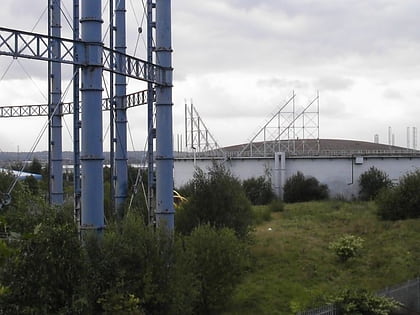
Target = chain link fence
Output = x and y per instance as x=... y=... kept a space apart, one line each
x=407 y=293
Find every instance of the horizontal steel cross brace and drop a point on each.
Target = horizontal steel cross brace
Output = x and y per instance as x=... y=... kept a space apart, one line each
x=132 y=100
x=22 y=44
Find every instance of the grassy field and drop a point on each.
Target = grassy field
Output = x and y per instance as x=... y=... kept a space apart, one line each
x=294 y=268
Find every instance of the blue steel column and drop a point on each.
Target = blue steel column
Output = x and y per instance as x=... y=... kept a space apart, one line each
x=92 y=146
x=76 y=117
x=111 y=111
x=150 y=124
x=164 y=147
x=121 y=160
x=55 y=125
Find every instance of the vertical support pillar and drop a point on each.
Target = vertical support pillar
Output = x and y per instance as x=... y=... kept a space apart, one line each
x=279 y=173
x=112 y=101
x=92 y=146
x=55 y=125
x=164 y=147
x=76 y=116
x=121 y=159
x=151 y=134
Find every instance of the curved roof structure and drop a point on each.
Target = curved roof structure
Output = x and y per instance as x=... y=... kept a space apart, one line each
x=306 y=147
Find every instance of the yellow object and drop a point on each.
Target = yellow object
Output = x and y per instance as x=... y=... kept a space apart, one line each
x=178 y=199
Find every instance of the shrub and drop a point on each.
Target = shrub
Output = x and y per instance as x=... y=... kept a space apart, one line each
x=258 y=190
x=135 y=269
x=219 y=260
x=300 y=188
x=402 y=201
x=42 y=274
x=261 y=214
x=371 y=182
x=347 y=246
x=218 y=200
x=360 y=301
x=276 y=205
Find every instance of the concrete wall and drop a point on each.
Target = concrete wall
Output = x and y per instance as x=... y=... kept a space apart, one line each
x=341 y=174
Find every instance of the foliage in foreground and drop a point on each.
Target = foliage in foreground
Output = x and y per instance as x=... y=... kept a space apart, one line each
x=218 y=199
x=372 y=182
x=131 y=270
x=299 y=188
x=401 y=201
x=362 y=302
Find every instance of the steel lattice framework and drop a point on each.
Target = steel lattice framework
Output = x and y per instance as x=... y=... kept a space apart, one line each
x=132 y=100
x=22 y=44
x=198 y=138
x=88 y=55
x=286 y=131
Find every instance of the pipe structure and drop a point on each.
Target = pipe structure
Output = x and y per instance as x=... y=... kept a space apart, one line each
x=111 y=110
x=121 y=159
x=150 y=125
x=55 y=124
x=279 y=173
x=164 y=147
x=76 y=116
x=92 y=146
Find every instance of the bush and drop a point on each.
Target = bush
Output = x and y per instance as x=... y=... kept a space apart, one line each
x=46 y=267
x=360 y=301
x=218 y=200
x=347 y=246
x=219 y=260
x=276 y=205
x=261 y=214
x=258 y=190
x=402 y=201
x=135 y=269
x=300 y=188
x=371 y=182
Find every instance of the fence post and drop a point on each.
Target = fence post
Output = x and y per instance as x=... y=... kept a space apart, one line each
x=418 y=294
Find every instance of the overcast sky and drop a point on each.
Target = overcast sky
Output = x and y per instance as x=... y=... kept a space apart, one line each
x=239 y=60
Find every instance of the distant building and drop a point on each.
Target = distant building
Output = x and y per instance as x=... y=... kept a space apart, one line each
x=21 y=175
x=336 y=163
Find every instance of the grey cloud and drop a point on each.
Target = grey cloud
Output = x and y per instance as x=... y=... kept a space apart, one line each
x=392 y=94
x=266 y=35
x=333 y=83
x=281 y=83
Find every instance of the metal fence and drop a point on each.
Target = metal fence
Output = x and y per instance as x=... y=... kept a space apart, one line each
x=324 y=310
x=407 y=293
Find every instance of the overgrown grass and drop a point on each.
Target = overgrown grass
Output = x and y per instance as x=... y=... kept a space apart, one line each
x=261 y=214
x=295 y=270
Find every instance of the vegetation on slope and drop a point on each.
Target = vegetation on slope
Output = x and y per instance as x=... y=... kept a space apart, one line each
x=295 y=269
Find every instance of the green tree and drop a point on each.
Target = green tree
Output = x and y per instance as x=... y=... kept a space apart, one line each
x=219 y=260
x=35 y=167
x=299 y=188
x=401 y=201
x=135 y=269
x=218 y=200
x=44 y=272
x=371 y=182
x=258 y=190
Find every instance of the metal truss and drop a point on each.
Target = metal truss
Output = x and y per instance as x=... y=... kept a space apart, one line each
x=132 y=100
x=287 y=131
x=198 y=138
x=22 y=44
